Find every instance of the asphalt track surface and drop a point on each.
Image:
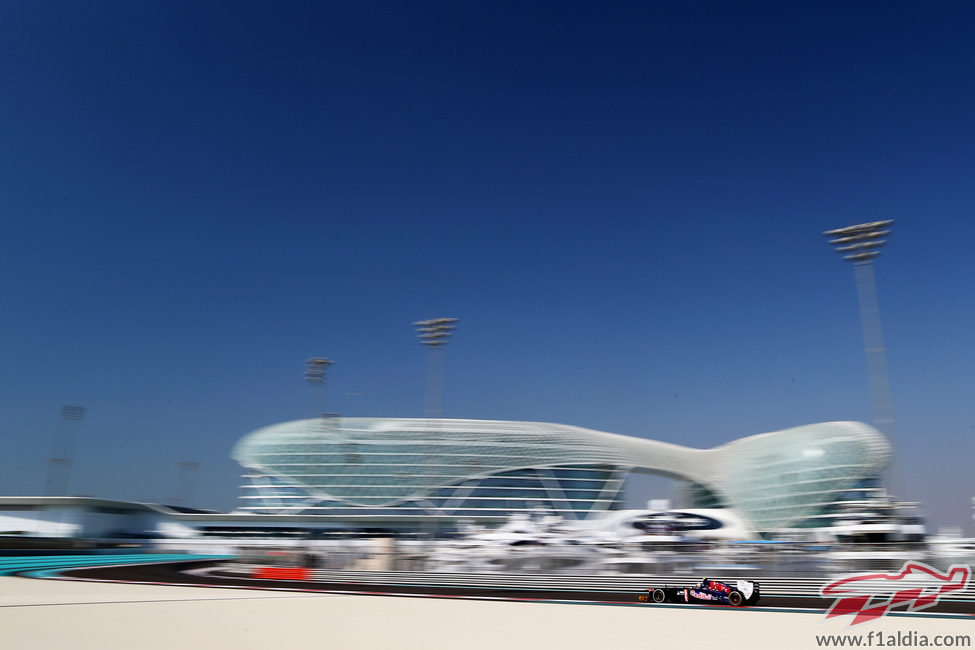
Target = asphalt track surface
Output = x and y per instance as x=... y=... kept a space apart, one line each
x=175 y=573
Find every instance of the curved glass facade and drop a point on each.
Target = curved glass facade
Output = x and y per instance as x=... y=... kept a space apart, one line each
x=572 y=492
x=470 y=468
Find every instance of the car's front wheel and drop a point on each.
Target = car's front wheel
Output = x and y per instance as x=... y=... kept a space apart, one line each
x=659 y=596
x=736 y=598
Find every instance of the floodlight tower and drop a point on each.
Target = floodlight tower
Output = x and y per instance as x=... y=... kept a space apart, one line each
x=434 y=334
x=186 y=481
x=860 y=245
x=62 y=451
x=316 y=368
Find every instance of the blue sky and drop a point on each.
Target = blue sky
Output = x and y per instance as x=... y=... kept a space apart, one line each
x=622 y=203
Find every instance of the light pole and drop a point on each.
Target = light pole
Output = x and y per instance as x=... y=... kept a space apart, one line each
x=860 y=245
x=186 y=481
x=62 y=451
x=316 y=368
x=434 y=334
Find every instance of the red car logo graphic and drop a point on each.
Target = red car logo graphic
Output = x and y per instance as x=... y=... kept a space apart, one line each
x=870 y=595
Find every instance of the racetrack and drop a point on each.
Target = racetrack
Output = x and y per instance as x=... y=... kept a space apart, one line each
x=177 y=573
x=83 y=615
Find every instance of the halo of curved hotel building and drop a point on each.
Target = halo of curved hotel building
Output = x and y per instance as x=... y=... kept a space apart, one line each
x=482 y=468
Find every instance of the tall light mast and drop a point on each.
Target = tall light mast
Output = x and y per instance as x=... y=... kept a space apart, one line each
x=860 y=245
x=434 y=333
x=316 y=369
x=62 y=451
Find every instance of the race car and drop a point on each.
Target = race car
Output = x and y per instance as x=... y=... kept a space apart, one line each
x=743 y=592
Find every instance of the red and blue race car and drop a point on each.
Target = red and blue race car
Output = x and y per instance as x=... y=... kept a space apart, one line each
x=743 y=592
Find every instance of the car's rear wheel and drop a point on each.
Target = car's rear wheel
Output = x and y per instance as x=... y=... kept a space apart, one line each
x=659 y=596
x=736 y=598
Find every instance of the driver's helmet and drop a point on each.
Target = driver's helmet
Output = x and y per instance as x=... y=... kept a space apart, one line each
x=704 y=583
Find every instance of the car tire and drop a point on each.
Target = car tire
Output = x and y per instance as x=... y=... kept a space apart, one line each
x=735 y=598
x=659 y=596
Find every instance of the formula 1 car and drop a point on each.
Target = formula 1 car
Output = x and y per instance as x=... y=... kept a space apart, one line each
x=744 y=592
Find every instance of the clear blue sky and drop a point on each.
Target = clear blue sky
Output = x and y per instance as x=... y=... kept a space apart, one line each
x=623 y=203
